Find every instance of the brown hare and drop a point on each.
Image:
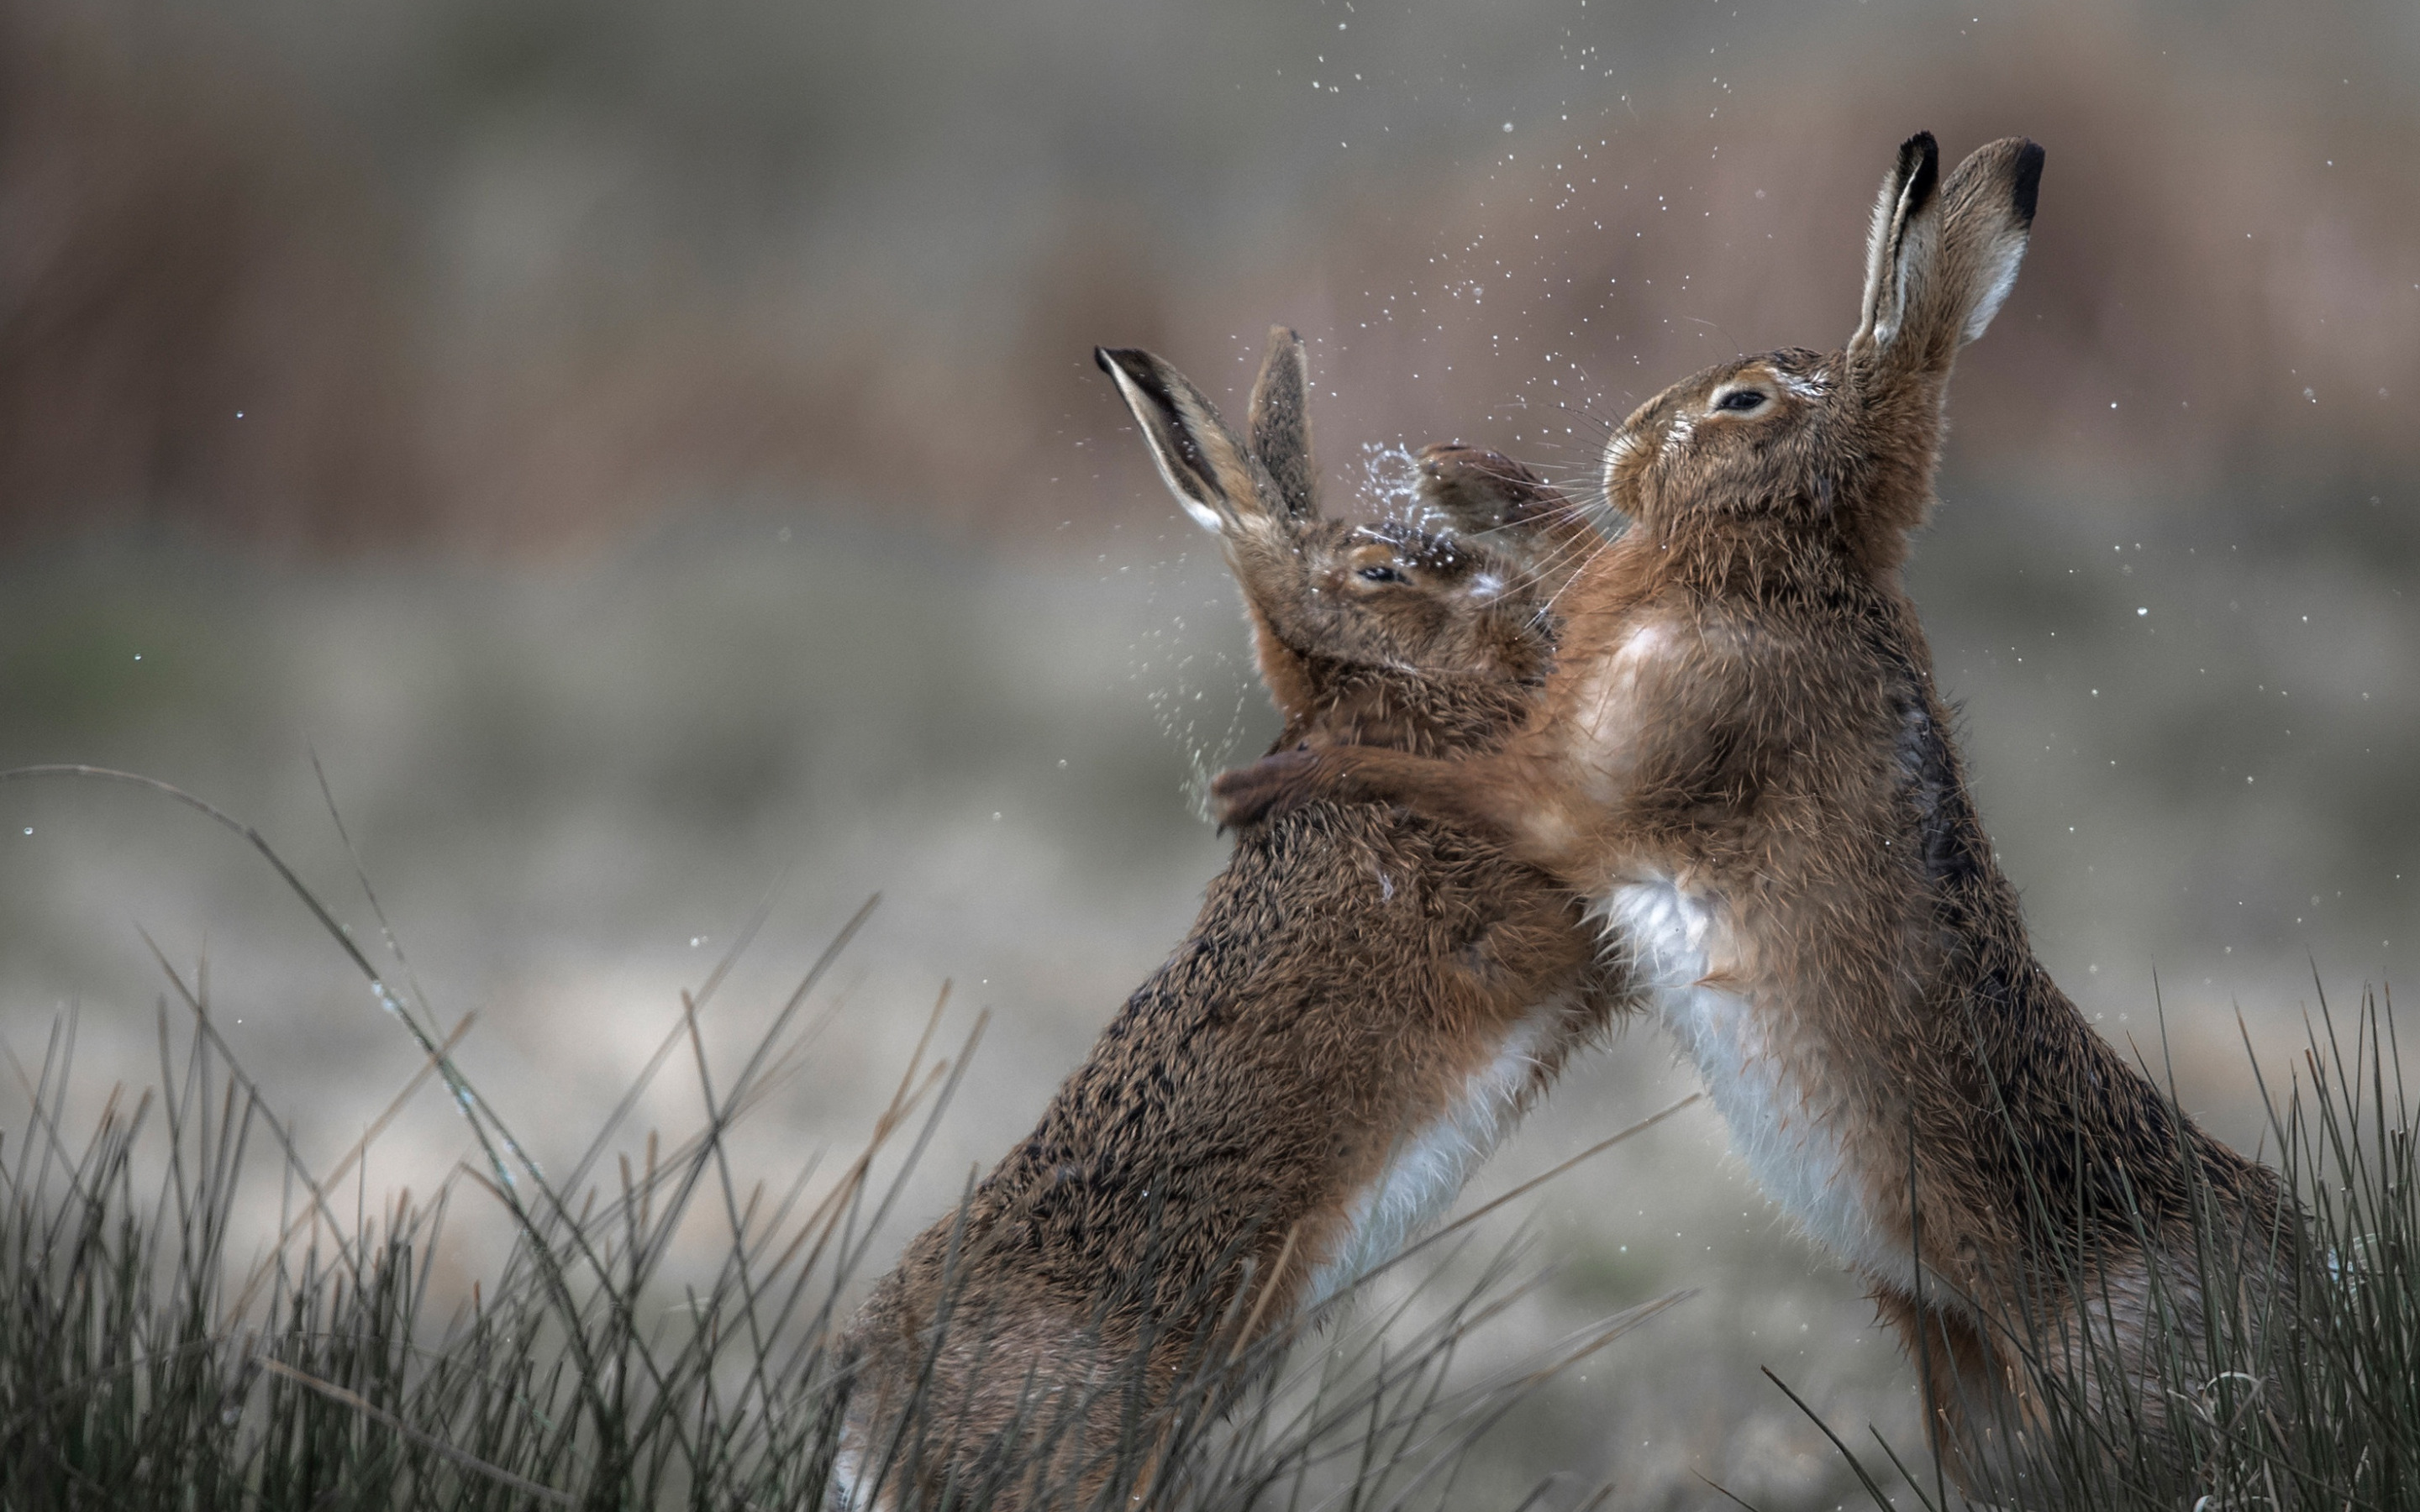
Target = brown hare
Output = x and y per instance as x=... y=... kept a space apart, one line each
x=1364 y=1006
x=1742 y=761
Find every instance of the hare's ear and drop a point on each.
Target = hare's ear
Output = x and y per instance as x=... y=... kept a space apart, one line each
x=1226 y=488
x=1201 y=461
x=1901 y=247
x=1279 y=432
x=1940 y=265
x=1987 y=217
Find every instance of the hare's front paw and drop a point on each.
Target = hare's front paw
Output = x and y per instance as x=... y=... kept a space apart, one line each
x=1481 y=490
x=1270 y=786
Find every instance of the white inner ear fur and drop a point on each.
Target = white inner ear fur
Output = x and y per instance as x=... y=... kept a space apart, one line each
x=1202 y=513
x=1889 y=269
x=1878 y=263
x=1148 y=420
x=1919 y=250
x=2000 y=276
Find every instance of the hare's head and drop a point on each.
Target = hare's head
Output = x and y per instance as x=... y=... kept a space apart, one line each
x=1842 y=443
x=1333 y=602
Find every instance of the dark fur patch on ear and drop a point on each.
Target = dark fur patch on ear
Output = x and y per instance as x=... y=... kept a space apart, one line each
x=2029 y=185
x=1923 y=176
x=1143 y=373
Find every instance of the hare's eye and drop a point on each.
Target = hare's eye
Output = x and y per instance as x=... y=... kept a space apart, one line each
x=1381 y=575
x=1742 y=400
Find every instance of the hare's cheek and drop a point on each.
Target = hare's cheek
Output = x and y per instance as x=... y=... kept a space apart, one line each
x=1677 y=438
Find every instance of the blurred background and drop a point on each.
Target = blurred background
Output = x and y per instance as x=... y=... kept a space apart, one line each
x=649 y=457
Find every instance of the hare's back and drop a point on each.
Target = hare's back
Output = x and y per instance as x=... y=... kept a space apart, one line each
x=1350 y=972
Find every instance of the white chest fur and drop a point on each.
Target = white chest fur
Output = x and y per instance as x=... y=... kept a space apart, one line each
x=1782 y=1121
x=1427 y=1171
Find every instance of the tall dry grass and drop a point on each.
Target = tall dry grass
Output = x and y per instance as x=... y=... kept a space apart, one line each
x=157 y=1348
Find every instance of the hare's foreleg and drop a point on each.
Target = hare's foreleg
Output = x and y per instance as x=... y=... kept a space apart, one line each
x=1506 y=799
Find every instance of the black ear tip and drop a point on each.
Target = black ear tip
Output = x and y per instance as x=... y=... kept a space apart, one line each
x=2029 y=184
x=1920 y=169
x=1136 y=366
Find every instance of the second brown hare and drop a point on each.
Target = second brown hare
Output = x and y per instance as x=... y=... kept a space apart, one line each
x=1365 y=1005
x=1742 y=761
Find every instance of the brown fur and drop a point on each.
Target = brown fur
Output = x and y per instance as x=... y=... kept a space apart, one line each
x=1350 y=972
x=1744 y=713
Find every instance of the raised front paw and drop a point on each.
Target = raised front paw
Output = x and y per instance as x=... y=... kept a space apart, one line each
x=1270 y=786
x=1479 y=491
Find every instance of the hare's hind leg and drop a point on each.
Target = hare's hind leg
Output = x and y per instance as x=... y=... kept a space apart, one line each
x=1974 y=1417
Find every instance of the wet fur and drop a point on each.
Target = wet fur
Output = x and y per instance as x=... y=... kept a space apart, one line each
x=1365 y=1003
x=1743 y=760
